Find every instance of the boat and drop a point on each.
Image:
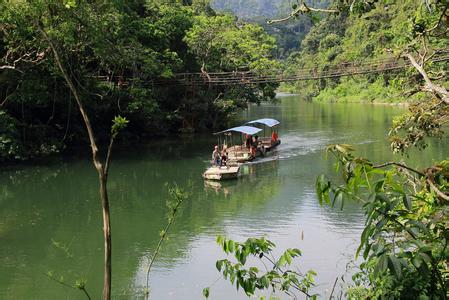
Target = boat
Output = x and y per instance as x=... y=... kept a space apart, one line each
x=221 y=173
x=268 y=142
x=238 y=152
x=239 y=149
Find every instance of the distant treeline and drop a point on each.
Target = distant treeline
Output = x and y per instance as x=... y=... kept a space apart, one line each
x=288 y=35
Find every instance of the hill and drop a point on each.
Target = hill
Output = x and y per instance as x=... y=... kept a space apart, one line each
x=375 y=34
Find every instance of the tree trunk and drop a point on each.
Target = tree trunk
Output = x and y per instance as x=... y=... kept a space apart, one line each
x=106 y=235
x=102 y=170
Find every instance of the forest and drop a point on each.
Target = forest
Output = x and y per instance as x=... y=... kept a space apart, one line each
x=114 y=52
x=376 y=32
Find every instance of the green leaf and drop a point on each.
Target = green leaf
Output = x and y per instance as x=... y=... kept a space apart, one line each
x=395 y=266
x=219 y=265
x=206 y=292
x=381 y=224
x=281 y=262
x=382 y=264
x=118 y=123
x=231 y=245
x=407 y=201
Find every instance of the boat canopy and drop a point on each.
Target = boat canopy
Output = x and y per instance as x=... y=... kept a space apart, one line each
x=266 y=121
x=243 y=129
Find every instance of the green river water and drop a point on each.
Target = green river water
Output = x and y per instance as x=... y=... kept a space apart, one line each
x=56 y=203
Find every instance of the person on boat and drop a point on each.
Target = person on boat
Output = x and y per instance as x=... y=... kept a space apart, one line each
x=216 y=156
x=224 y=157
x=256 y=142
x=248 y=141
x=254 y=145
x=274 y=137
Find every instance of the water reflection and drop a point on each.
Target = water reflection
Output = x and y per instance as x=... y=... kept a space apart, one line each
x=274 y=197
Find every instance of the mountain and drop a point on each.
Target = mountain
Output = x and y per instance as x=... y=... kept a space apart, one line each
x=288 y=34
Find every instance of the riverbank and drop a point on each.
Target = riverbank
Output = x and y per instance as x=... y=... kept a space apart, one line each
x=354 y=91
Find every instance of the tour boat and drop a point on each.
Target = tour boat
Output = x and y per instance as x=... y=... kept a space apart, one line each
x=237 y=142
x=271 y=141
x=238 y=151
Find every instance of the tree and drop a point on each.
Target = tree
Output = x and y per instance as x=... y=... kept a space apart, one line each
x=67 y=29
x=404 y=242
x=278 y=275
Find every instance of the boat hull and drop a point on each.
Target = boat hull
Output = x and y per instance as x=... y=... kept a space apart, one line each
x=273 y=145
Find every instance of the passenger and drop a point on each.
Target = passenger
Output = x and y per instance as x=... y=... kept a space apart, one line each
x=274 y=137
x=256 y=142
x=248 y=141
x=224 y=157
x=254 y=146
x=216 y=156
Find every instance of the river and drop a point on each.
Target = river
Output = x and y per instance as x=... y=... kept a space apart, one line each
x=50 y=216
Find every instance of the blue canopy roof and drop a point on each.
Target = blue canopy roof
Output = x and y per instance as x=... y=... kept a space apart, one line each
x=243 y=129
x=266 y=121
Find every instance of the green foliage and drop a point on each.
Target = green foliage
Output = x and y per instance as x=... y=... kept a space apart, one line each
x=288 y=35
x=367 y=30
x=176 y=197
x=404 y=242
x=424 y=119
x=127 y=44
x=9 y=138
x=118 y=123
x=278 y=277
x=223 y=46
x=79 y=283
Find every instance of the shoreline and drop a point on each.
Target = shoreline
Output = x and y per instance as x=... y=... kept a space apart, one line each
x=281 y=94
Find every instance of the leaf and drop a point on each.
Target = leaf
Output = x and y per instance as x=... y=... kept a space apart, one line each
x=382 y=264
x=264 y=281
x=295 y=252
x=322 y=189
x=381 y=224
x=231 y=245
x=379 y=186
x=281 y=262
x=395 y=266
x=219 y=265
x=338 y=197
x=417 y=261
x=407 y=201
x=288 y=257
x=206 y=292
x=220 y=240
x=344 y=148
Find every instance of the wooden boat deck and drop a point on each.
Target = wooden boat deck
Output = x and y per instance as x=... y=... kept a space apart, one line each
x=221 y=173
x=239 y=153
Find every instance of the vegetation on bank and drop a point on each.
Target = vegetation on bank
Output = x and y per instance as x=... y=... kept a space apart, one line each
x=378 y=30
x=113 y=51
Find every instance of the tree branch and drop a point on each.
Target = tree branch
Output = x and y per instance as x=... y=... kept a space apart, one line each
x=97 y=163
x=302 y=9
x=399 y=165
x=437 y=190
x=7 y=67
x=436 y=89
x=439 y=20
x=108 y=156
